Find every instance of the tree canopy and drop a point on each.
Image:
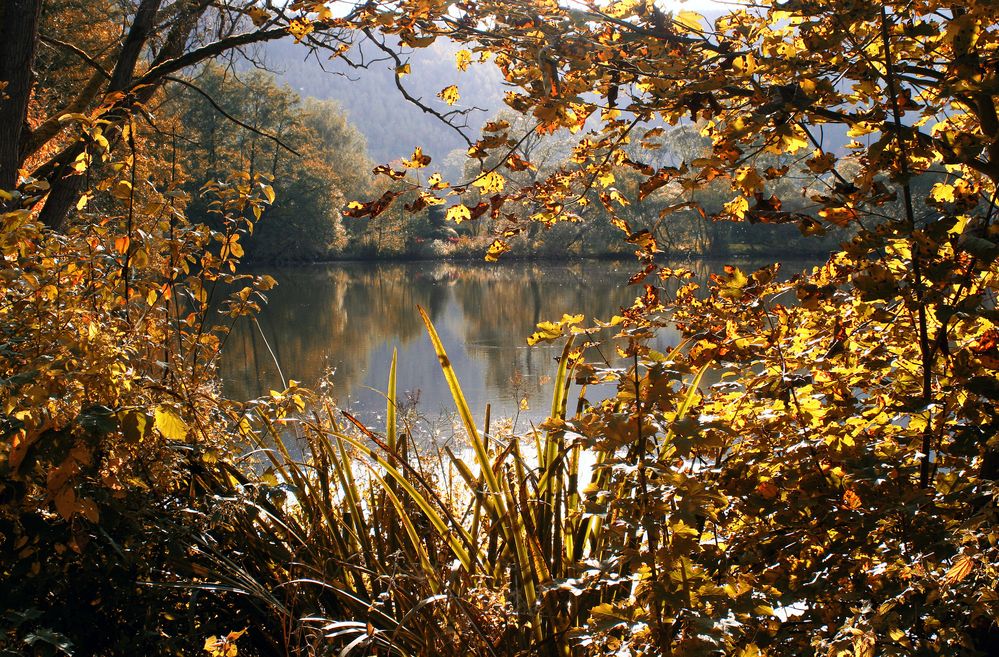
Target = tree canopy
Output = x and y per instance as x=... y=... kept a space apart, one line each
x=812 y=469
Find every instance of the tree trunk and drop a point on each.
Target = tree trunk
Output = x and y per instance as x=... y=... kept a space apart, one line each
x=18 y=41
x=65 y=183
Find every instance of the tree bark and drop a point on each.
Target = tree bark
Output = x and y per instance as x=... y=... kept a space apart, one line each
x=65 y=184
x=18 y=41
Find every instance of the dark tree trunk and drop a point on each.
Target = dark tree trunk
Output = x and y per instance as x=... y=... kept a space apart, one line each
x=18 y=40
x=65 y=184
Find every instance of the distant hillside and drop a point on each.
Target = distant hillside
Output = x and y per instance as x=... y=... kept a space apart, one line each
x=392 y=126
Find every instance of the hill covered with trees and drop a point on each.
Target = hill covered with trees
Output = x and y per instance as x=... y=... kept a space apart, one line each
x=371 y=100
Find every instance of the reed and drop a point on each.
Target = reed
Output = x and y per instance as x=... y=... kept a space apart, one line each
x=356 y=543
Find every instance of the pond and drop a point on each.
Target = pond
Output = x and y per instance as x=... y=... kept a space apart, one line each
x=342 y=322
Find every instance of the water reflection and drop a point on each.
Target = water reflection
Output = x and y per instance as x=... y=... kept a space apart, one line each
x=347 y=318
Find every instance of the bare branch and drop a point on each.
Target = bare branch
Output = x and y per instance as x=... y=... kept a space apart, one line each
x=444 y=118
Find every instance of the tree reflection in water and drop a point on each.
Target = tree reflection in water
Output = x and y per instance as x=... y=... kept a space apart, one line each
x=347 y=318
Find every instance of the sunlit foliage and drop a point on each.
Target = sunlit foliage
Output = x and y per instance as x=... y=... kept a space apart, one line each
x=833 y=493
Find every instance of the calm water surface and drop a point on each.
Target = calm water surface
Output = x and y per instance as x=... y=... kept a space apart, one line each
x=344 y=320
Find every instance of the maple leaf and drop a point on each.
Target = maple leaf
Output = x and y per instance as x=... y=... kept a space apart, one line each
x=449 y=94
x=496 y=249
x=417 y=161
x=458 y=213
x=490 y=183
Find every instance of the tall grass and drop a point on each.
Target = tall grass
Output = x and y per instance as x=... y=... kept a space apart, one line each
x=359 y=546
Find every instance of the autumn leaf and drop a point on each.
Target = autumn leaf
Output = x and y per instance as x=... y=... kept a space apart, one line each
x=496 y=249
x=737 y=208
x=661 y=178
x=942 y=193
x=258 y=15
x=300 y=28
x=748 y=181
x=689 y=19
x=82 y=162
x=548 y=331
x=962 y=568
x=850 y=499
x=417 y=161
x=436 y=181
x=449 y=94
x=462 y=59
x=458 y=213
x=789 y=139
x=516 y=163
x=490 y=183
x=645 y=242
x=170 y=425
x=841 y=216
x=732 y=282
x=821 y=162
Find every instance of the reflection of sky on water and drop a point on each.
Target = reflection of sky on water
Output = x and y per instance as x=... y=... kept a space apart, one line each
x=351 y=316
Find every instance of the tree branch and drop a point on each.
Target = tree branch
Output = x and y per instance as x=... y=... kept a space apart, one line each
x=207 y=51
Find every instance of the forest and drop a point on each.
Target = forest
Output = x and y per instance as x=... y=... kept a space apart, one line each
x=742 y=460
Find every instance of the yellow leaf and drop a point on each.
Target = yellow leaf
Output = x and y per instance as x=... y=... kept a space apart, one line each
x=436 y=181
x=417 y=161
x=942 y=193
x=462 y=59
x=405 y=69
x=748 y=180
x=745 y=64
x=82 y=162
x=458 y=214
x=690 y=19
x=737 y=207
x=553 y=330
x=258 y=16
x=430 y=199
x=169 y=423
x=496 y=249
x=490 y=183
x=299 y=28
x=962 y=33
x=449 y=94
x=861 y=128
x=268 y=193
x=792 y=140
x=235 y=248
x=961 y=569
x=122 y=190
